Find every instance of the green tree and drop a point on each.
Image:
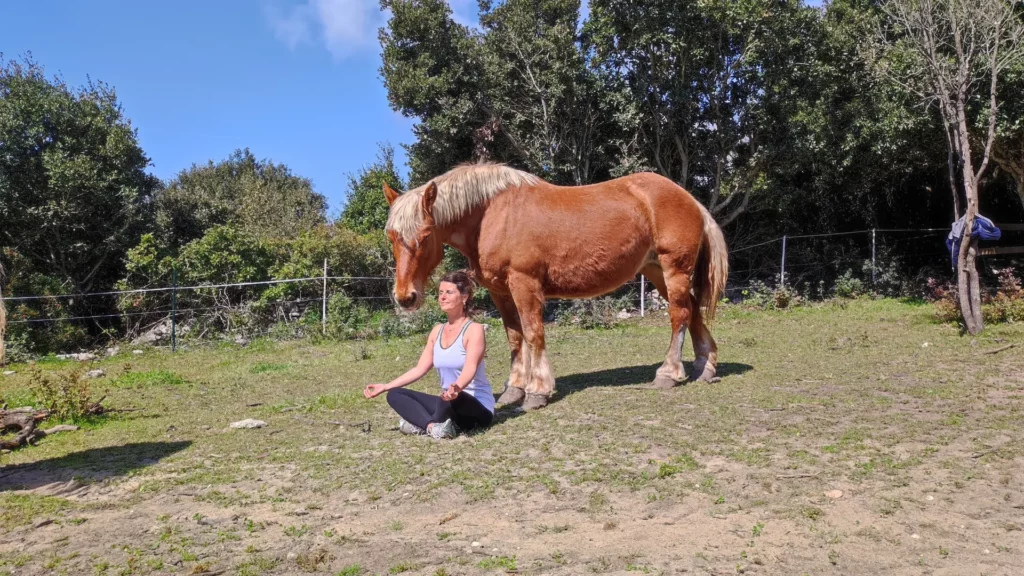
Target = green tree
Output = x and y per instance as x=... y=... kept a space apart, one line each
x=258 y=197
x=366 y=210
x=704 y=87
x=952 y=54
x=433 y=71
x=74 y=192
x=544 y=100
x=518 y=91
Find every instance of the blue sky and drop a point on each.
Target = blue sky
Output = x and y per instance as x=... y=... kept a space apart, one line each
x=295 y=81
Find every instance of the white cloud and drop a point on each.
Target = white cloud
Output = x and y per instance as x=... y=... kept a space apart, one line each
x=343 y=26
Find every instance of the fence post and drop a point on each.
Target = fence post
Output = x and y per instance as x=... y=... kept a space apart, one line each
x=872 y=256
x=641 y=295
x=323 y=315
x=174 y=310
x=783 y=277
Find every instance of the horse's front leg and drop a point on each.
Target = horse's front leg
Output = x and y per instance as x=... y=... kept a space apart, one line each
x=529 y=301
x=518 y=376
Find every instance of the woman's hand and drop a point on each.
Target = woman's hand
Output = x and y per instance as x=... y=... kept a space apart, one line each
x=451 y=393
x=373 y=390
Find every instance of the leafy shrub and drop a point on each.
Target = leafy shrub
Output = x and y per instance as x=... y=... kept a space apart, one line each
x=761 y=296
x=65 y=394
x=848 y=286
x=1006 y=305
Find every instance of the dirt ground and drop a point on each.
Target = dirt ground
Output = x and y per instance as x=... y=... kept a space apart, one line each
x=854 y=439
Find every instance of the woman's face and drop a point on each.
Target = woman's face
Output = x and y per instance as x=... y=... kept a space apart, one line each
x=449 y=297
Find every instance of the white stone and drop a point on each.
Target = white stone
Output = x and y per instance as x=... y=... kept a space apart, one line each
x=83 y=357
x=95 y=374
x=248 y=423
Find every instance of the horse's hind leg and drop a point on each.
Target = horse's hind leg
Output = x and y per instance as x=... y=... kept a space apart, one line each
x=518 y=374
x=677 y=284
x=705 y=350
x=705 y=364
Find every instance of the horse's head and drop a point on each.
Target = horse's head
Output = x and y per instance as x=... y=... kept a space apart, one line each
x=415 y=259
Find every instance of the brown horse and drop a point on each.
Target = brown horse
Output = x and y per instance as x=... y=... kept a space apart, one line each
x=527 y=240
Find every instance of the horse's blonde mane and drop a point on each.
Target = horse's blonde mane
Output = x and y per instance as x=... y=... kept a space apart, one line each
x=459 y=191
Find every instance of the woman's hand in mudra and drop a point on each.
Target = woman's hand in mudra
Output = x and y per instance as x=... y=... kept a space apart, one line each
x=373 y=390
x=451 y=393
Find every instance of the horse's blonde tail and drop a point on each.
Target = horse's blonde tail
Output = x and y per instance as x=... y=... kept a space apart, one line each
x=712 y=269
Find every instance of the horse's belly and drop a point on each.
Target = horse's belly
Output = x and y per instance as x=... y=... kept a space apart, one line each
x=577 y=250
x=593 y=270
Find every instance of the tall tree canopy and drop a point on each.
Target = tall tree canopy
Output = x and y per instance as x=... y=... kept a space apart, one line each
x=74 y=192
x=366 y=209
x=255 y=196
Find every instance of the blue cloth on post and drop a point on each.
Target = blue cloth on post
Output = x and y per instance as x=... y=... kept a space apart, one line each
x=982 y=227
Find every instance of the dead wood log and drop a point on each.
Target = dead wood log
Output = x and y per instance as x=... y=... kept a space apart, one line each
x=998 y=350
x=23 y=422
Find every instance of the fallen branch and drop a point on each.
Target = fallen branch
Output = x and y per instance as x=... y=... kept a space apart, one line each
x=1000 y=349
x=986 y=452
x=783 y=476
x=24 y=421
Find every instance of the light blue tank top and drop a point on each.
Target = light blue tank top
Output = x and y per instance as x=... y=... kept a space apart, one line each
x=449 y=363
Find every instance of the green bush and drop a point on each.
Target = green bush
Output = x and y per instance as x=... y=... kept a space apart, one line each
x=848 y=286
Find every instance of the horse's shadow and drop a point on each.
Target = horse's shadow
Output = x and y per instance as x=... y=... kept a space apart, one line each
x=92 y=465
x=629 y=376
x=622 y=376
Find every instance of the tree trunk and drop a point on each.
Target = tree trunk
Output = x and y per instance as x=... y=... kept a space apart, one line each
x=974 y=284
x=968 y=285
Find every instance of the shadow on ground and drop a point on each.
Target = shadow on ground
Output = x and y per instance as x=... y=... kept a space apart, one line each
x=94 y=464
x=630 y=376
x=622 y=376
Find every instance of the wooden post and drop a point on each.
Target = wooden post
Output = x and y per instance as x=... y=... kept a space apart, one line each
x=323 y=314
x=872 y=256
x=642 y=286
x=3 y=316
x=174 y=310
x=783 y=277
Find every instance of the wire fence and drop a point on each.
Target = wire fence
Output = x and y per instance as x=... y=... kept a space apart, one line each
x=787 y=261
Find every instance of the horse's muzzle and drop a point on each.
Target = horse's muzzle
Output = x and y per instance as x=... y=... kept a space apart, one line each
x=410 y=302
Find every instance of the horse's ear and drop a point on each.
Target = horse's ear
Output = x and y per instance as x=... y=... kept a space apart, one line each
x=429 y=196
x=390 y=194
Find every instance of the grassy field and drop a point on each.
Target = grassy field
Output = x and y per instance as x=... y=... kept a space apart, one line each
x=856 y=437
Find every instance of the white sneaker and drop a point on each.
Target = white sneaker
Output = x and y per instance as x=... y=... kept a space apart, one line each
x=410 y=429
x=445 y=429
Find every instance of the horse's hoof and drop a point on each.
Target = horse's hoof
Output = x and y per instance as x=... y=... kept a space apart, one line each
x=512 y=395
x=535 y=401
x=664 y=382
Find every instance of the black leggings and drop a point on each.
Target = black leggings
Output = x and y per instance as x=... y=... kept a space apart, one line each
x=421 y=409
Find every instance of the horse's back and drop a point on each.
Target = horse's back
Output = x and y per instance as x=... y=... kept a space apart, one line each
x=583 y=240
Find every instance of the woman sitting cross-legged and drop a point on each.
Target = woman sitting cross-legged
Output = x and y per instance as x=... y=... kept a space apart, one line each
x=456 y=350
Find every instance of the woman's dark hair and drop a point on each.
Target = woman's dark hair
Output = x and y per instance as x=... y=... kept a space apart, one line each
x=464 y=282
